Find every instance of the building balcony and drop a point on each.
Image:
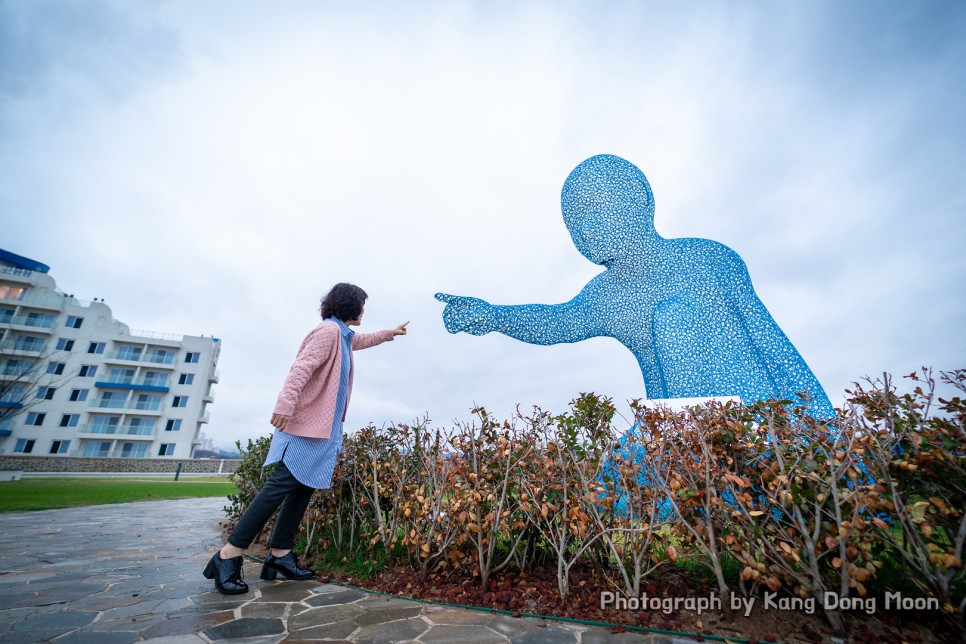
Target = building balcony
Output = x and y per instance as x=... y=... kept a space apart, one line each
x=209 y=397
x=172 y=339
x=126 y=357
x=89 y=430
x=125 y=383
x=16 y=274
x=137 y=433
x=46 y=302
x=27 y=323
x=214 y=376
x=144 y=408
x=17 y=374
x=107 y=404
x=20 y=348
x=126 y=432
x=204 y=418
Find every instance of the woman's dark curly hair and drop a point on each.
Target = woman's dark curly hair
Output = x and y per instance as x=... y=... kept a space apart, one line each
x=344 y=301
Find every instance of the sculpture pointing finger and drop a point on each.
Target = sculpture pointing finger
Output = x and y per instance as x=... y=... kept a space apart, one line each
x=684 y=307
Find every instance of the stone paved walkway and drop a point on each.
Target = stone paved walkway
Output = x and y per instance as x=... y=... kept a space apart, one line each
x=132 y=572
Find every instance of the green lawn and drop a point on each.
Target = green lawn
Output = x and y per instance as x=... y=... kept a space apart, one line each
x=47 y=494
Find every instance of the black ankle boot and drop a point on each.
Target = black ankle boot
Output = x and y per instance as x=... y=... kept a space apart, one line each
x=227 y=574
x=287 y=565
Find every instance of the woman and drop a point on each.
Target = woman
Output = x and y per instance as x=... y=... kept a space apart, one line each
x=308 y=416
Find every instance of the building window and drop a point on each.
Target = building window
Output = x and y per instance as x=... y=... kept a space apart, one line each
x=12 y=393
x=69 y=420
x=186 y=378
x=113 y=399
x=46 y=393
x=148 y=402
x=133 y=450
x=8 y=292
x=24 y=445
x=96 y=347
x=155 y=378
x=128 y=353
x=167 y=449
x=97 y=449
x=29 y=343
x=141 y=427
x=192 y=356
x=180 y=401
x=16 y=367
x=121 y=376
x=6 y=315
x=173 y=425
x=43 y=320
x=36 y=418
x=65 y=345
x=59 y=447
x=56 y=368
x=78 y=395
x=105 y=425
x=161 y=356
x=74 y=322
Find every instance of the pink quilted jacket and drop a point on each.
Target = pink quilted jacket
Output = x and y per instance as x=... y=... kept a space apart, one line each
x=309 y=393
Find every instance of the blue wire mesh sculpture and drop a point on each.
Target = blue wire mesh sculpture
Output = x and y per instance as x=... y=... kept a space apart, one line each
x=684 y=307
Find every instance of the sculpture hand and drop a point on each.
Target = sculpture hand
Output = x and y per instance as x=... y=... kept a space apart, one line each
x=468 y=314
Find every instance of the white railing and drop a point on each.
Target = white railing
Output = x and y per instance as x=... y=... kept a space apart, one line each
x=90 y=428
x=13 y=270
x=128 y=356
x=25 y=320
x=129 y=380
x=138 y=431
x=26 y=348
x=157 y=335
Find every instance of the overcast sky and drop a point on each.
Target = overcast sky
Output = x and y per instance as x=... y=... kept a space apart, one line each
x=214 y=167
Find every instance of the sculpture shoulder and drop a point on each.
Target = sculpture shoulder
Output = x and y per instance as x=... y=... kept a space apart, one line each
x=707 y=252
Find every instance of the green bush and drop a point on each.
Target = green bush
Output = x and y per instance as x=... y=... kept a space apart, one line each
x=764 y=497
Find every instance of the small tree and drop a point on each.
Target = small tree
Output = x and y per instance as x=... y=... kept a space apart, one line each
x=576 y=446
x=919 y=463
x=488 y=469
x=627 y=510
x=682 y=462
x=429 y=504
x=801 y=508
x=22 y=378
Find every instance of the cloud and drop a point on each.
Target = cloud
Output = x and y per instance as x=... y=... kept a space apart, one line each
x=215 y=168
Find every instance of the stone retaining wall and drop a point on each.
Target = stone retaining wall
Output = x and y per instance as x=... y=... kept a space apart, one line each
x=134 y=465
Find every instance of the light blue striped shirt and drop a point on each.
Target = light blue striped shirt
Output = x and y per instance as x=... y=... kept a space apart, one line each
x=312 y=460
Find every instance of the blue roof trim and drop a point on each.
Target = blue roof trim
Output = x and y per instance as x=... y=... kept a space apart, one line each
x=11 y=405
x=23 y=262
x=122 y=385
x=5 y=432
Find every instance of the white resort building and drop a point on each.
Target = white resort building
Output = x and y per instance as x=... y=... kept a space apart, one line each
x=76 y=382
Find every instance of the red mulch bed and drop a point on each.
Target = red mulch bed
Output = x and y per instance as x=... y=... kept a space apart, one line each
x=537 y=594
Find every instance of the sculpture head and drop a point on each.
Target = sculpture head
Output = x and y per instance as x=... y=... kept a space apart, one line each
x=608 y=208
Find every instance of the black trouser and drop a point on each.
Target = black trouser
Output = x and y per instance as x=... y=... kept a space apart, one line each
x=281 y=489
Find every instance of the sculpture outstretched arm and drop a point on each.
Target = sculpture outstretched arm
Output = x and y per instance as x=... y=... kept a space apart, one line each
x=571 y=321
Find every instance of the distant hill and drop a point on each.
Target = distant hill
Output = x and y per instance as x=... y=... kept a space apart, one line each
x=217 y=454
